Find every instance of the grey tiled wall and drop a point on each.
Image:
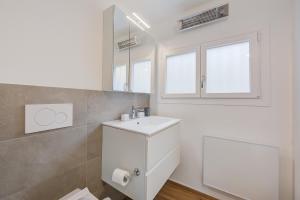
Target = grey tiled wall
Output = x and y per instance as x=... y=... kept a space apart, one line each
x=47 y=165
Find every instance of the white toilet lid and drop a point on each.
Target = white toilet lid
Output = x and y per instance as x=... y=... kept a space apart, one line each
x=79 y=195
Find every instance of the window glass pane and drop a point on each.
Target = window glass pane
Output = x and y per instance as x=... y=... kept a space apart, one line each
x=120 y=78
x=181 y=74
x=141 y=77
x=228 y=69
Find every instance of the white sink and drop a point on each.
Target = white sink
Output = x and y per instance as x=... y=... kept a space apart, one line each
x=147 y=125
x=149 y=144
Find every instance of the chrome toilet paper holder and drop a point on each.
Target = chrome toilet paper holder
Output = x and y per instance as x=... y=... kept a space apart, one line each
x=136 y=172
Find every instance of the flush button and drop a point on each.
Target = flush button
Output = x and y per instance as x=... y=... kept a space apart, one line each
x=41 y=117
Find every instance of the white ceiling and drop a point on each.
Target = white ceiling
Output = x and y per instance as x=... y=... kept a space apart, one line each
x=162 y=15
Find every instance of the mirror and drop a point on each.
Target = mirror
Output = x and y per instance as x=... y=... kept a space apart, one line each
x=141 y=60
x=128 y=54
x=121 y=52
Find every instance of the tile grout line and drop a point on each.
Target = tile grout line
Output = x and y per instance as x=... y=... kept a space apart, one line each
x=43 y=133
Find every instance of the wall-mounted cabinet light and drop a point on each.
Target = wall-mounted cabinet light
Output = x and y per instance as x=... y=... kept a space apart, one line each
x=141 y=20
x=136 y=23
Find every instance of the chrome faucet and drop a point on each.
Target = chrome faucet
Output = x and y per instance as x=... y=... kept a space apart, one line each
x=133 y=112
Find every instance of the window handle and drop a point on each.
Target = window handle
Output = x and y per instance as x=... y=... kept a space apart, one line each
x=203 y=80
x=125 y=87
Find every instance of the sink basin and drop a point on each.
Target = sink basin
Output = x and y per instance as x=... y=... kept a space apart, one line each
x=147 y=125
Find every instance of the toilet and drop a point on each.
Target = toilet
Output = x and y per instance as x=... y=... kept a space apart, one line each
x=79 y=194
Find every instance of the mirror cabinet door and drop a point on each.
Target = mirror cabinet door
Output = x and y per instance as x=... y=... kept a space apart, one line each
x=142 y=52
x=121 y=52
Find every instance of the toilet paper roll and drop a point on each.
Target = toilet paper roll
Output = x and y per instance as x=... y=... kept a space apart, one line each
x=121 y=177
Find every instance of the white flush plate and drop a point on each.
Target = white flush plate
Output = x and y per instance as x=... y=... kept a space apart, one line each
x=41 y=117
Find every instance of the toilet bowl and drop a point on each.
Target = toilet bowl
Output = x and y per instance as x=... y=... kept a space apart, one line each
x=79 y=194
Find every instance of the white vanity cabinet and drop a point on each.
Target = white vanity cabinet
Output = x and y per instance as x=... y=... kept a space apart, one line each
x=150 y=145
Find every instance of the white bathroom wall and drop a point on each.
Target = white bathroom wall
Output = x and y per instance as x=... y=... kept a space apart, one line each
x=297 y=98
x=270 y=124
x=51 y=43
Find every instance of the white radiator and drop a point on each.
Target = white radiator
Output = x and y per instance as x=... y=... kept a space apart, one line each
x=246 y=170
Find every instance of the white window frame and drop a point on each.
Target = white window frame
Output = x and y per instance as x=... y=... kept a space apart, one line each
x=253 y=39
x=177 y=52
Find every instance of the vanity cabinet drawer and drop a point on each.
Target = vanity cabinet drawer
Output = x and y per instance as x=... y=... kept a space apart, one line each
x=161 y=144
x=157 y=176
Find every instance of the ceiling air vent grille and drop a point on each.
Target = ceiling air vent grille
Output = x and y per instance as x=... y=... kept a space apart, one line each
x=205 y=17
x=126 y=44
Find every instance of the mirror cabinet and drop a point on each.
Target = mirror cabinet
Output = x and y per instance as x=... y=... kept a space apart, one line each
x=128 y=54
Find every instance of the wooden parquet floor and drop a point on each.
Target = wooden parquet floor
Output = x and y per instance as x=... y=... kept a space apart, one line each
x=175 y=191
